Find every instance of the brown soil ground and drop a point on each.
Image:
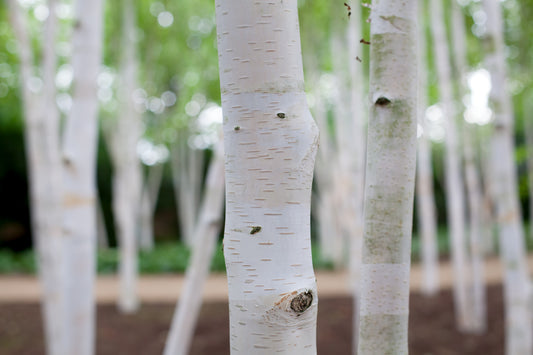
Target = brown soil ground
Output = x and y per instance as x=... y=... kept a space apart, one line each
x=431 y=329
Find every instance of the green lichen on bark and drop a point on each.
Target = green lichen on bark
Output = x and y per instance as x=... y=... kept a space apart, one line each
x=383 y=334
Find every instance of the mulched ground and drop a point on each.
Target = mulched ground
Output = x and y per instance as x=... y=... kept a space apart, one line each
x=431 y=329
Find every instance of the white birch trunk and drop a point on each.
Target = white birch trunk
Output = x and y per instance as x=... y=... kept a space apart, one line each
x=127 y=178
x=425 y=198
x=148 y=203
x=270 y=146
x=206 y=233
x=478 y=308
x=79 y=177
x=44 y=167
x=390 y=178
x=517 y=300
x=454 y=180
x=356 y=135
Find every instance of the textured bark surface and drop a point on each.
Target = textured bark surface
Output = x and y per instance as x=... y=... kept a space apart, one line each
x=390 y=178
x=270 y=145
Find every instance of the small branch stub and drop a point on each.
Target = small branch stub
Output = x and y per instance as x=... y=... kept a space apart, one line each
x=255 y=229
x=302 y=301
x=281 y=115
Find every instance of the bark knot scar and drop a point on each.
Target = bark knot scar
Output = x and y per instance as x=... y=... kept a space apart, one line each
x=281 y=115
x=236 y=128
x=302 y=301
x=382 y=101
x=255 y=229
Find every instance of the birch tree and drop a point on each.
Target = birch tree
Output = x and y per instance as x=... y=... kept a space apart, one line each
x=80 y=139
x=270 y=145
x=127 y=178
x=427 y=220
x=454 y=182
x=44 y=166
x=390 y=178
x=206 y=233
x=476 y=285
x=517 y=295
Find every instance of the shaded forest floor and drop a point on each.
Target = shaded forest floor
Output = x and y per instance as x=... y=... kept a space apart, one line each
x=431 y=329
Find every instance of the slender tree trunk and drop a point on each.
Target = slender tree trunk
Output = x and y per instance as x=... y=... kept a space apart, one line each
x=517 y=295
x=206 y=233
x=390 y=178
x=356 y=136
x=79 y=177
x=478 y=312
x=127 y=178
x=270 y=146
x=44 y=167
x=454 y=181
x=425 y=198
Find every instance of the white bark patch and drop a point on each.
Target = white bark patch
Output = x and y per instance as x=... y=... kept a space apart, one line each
x=381 y=281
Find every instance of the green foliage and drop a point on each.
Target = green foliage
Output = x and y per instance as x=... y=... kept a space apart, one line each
x=17 y=263
x=164 y=258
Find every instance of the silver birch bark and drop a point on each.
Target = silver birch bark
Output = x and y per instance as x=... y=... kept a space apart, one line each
x=454 y=181
x=517 y=295
x=270 y=145
x=127 y=178
x=390 y=178
x=357 y=137
x=44 y=166
x=478 y=311
x=206 y=233
x=425 y=198
x=79 y=175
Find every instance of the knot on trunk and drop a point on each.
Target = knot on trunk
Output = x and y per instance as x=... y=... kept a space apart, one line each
x=382 y=101
x=302 y=301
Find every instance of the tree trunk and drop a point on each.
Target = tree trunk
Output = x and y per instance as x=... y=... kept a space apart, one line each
x=517 y=300
x=390 y=178
x=454 y=181
x=44 y=167
x=425 y=198
x=356 y=138
x=478 y=308
x=79 y=177
x=206 y=233
x=270 y=146
x=127 y=178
